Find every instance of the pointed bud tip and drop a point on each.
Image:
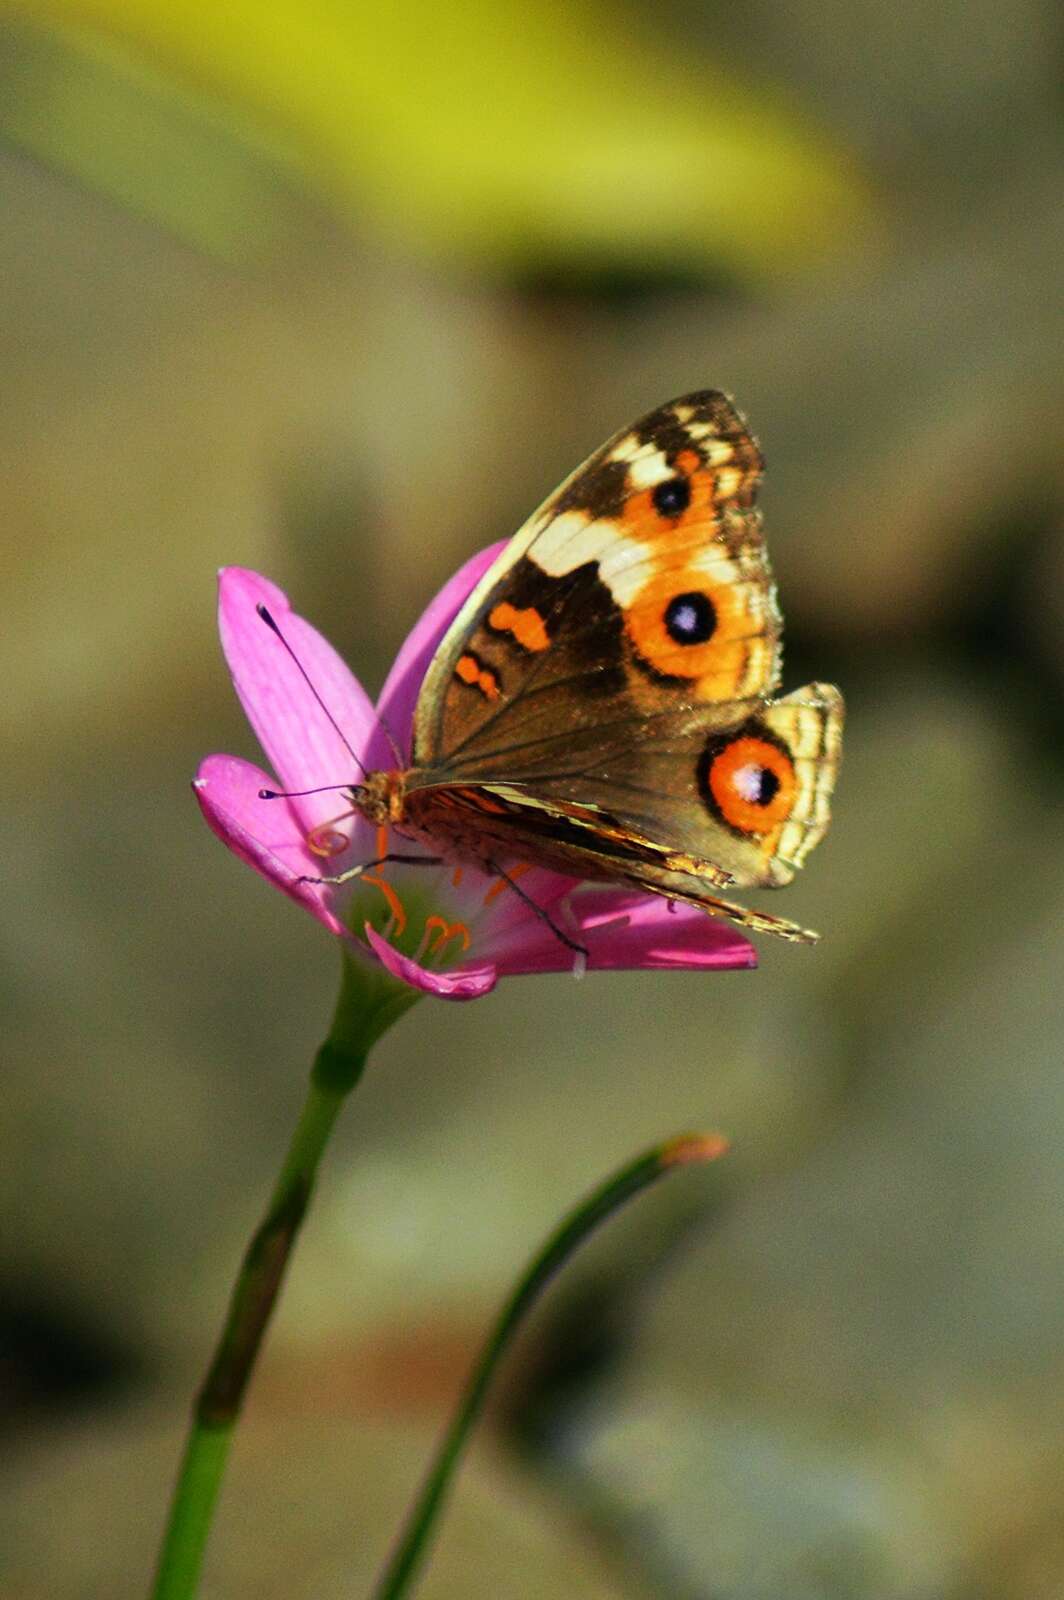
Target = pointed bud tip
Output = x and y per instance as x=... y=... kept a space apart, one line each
x=692 y=1148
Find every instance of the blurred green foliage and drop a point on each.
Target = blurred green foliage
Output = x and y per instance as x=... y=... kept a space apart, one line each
x=503 y=136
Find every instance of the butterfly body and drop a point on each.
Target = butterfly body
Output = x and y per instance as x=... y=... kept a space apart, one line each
x=603 y=704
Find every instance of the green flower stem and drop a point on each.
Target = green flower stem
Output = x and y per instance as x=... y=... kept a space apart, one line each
x=404 y=1561
x=362 y=1014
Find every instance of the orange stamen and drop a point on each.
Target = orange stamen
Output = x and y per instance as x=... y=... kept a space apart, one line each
x=504 y=883
x=447 y=931
x=456 y=877
x=395 y=905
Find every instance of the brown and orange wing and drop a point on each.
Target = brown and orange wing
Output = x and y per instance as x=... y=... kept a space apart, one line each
x=608 y=683
x=743 y=806
x=641 y=585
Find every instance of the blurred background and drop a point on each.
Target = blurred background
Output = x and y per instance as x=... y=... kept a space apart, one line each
x=339 y=291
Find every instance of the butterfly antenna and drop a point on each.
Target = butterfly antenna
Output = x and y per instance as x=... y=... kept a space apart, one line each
x=400 y=759
x=300 y=794
x=272 y=625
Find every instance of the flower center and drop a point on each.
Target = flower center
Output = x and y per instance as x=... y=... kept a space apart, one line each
x=414 y=922
x=421 y=921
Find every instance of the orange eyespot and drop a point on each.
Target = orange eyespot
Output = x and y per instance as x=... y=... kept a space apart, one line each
x=685 y=625
x=749 y=782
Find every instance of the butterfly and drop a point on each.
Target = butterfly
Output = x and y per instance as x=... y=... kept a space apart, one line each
x=604 y=702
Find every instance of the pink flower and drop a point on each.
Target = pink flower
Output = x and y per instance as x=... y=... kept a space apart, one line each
x=447 y=930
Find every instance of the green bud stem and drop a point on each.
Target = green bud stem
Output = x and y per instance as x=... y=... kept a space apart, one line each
x=402 y=1566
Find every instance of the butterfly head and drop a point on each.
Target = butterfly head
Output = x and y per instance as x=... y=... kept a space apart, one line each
x=380 y=798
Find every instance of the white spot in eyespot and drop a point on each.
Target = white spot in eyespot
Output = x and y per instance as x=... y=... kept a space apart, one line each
x=747 y=781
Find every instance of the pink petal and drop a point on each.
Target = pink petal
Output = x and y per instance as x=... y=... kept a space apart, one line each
x=467 y=984
x=624 y=929
x=265 y=834
x=302 y=746
x=398 y=697
x=656 y=936
x=498 y=911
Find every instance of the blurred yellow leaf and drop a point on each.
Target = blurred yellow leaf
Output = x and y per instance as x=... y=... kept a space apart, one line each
x=513 y=134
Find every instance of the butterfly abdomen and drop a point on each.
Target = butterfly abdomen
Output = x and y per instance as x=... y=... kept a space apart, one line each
x=463 y=823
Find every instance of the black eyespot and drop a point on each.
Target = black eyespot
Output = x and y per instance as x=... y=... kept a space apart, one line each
x=690 y=618
x=767 y=787
x=672 y=497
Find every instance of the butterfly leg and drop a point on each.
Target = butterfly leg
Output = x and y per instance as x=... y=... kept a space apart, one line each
x=368 y=866
x=580 y=951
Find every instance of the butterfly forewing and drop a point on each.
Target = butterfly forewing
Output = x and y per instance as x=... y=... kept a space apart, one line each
x=641 y=583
